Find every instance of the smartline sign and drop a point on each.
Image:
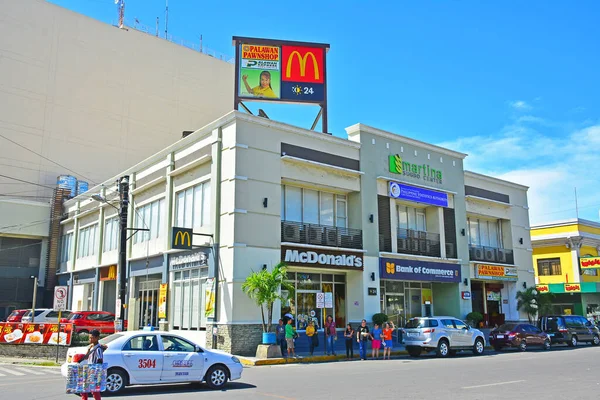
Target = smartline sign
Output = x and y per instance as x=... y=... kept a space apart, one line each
x=419 y=171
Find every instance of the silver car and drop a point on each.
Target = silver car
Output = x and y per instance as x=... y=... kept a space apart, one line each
x=444 y=335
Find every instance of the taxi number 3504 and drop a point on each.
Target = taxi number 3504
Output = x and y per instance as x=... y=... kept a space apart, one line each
x=147 y=363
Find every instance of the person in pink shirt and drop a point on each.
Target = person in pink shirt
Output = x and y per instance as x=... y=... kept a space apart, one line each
x=330 y=334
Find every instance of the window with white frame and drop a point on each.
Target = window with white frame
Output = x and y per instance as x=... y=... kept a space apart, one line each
x=65 y=248
x=193 y=206
x=149 y=216
x=313 y=207
x=86 y=245
x=411 y=218
x=111 y=233
x=188 y=297
x=484 y=232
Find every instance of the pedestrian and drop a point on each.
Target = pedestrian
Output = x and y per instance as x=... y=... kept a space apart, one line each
x=313 y=337
x=362 y=337
x=95 y=355
x=349 y=335
x=290 y=334
x=281 y=338
x=387 y=339
x=330 y=334
x=376 y=337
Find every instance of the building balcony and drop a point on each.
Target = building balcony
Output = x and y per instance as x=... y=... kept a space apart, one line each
x=491 y=254
x=321 y=235
x=418 y=243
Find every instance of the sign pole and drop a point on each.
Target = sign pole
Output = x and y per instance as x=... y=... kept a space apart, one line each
x=58 y=341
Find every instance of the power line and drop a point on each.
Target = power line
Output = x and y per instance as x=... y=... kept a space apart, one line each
x=20 y=247
x=21 y=180
x=46 y=158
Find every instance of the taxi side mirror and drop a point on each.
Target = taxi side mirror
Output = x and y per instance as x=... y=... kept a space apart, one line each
x=199 y=349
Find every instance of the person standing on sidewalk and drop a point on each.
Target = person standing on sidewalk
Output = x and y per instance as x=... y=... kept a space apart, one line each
x=95 y=355
x=362 y=337
x=376 y=337
x=290 y=334
x=330 y=334
x=387 y=339
x=281 y=338
x=349 y=336
x=313 y=339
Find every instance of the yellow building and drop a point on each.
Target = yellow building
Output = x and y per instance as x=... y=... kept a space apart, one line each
x=566 y=263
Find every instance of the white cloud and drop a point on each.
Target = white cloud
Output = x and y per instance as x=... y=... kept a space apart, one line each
x=520 y=105
x=552 y=166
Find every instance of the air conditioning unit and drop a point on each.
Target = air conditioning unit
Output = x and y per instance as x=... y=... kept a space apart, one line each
x=490 y=254
x=414 y=245
x=291 y=233
x=331 y=237
x=315 y=235
x=450 y=250
x=402 y=245
x=476 y=253
x=501 y=255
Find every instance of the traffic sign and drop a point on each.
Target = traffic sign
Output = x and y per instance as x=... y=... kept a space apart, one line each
x=60 y=298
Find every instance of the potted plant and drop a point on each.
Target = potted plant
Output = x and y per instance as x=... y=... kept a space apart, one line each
x=474 y=318
x=264 y=287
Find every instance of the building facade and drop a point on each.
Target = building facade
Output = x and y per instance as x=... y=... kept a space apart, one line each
x=373 y=223
x=565 y=256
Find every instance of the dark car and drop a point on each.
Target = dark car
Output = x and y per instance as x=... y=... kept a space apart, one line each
x=85 y=321
x=569 y=329
x=519 y=336
x=16 y=315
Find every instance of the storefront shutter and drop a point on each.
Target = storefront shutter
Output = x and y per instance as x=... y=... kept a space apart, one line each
x=385 y=228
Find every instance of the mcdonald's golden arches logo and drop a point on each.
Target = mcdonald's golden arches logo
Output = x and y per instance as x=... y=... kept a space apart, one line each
x=108 y=273
x=182 y=238
x=302 y=64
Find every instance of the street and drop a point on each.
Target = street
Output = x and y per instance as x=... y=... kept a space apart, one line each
x=559 y=373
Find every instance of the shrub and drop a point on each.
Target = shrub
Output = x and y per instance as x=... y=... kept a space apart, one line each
x=380 y=318
x=475 y=318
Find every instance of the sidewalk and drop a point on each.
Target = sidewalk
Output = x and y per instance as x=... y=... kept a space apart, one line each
x=42 y=362
x=306 y=358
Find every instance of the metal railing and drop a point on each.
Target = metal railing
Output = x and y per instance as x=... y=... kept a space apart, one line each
x=321 y=235
x=418 y=243
x=491 y=254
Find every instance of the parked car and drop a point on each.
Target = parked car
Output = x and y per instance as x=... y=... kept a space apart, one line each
x=44 y=316
x=569 y=329
x=444 y=335
x=85 y=321
x=16 y=315
x=154 y=357
x=519 y=336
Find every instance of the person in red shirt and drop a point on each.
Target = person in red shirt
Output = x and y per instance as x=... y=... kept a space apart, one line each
x=330 y=334
x=387 y=339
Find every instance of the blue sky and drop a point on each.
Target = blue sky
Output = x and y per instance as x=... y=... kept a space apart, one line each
x=513 y=84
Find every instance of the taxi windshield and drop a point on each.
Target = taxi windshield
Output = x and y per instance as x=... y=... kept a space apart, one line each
x=110 y=338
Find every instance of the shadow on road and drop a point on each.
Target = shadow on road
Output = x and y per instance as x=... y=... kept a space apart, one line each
x=178 y=389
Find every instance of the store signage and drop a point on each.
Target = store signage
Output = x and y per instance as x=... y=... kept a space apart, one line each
x=542 y=288
x=328 y=299
x=493 y=295
x=304 y=257
x=19 y=333
x=210 y=298
x=413 y=270
x=108 y=273
x=496 y=272
x=182 y=238
x=589 y=263
x=419 y=171
x=372 y=291
x=198 y=258
x=419 y=195
x=466 y=295
x=572 y=287
x=162 y=300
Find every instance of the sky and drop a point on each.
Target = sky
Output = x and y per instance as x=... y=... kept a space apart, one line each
x=513 y=84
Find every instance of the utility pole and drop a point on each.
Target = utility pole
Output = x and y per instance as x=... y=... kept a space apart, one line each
x=35 y=280
x=167 y=20
x=121 y=305
x=156 y=26
x=121 y=5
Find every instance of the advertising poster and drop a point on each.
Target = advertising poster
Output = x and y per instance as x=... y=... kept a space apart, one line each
x=303 y=74
x=19 y=333
x=260 y=72
x=209 y=298
x=162 y=301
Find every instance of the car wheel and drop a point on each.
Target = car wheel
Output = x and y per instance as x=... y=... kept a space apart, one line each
x=523 y=345
x=596 y=340
x=443 y=349
x=116 y=380
x=497 y=348
x=547 y=344
x=573 y=341
x=414 y=351
x=478 y=347
x=216 y=377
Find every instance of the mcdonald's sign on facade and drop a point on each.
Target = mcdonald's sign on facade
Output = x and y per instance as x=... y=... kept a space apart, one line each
x=182 y=238
x=108 y=273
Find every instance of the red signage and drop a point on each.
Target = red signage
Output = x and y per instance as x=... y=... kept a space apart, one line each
x=543 y=288
x=589 y=263
x=572 y=287
x=19 y=333
x=302 y=64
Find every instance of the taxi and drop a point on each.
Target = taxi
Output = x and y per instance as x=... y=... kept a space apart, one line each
x=155 y=357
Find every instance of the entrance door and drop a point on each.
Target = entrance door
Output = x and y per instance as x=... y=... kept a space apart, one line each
x=306 y=309
x=413 y=300
x=181 y=361
x=148 y=296
x=143 y=358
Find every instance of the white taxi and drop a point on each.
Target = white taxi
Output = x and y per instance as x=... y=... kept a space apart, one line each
x=154 y=357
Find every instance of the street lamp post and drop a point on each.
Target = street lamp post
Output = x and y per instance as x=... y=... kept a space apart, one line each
x=35 y=284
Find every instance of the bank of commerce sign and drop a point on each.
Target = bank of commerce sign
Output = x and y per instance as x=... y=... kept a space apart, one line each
x=414 y=270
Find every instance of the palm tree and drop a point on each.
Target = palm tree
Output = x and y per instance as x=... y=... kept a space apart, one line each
x=264 y=287
x=534 y=303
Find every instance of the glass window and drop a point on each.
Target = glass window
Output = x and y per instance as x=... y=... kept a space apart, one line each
x=549 y=266
x=111 y=234
x=421 y=224
x=313 y=207
x=310 y=207
x=402 y=217
x=447 y=323
x=180 y=206
x=484 y=233
x=87 y=241
x=340 y=213
x=142 y=343
x=65 y=248
x=193 y=206
x=172 y=343
x=148 y=216
x=394 y=286
x=327 y=278
x=293 y=204
x=326 y=209
x=474 y=232
x=308 y=281
x=188 y=218
x=206 y=201
x=459 y=324
x=188 y=299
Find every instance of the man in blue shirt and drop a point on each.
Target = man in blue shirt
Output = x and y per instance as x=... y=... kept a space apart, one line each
x=281 y=338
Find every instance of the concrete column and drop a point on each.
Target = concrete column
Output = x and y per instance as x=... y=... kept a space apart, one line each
x=440 y=215
x=575 y=245
x=96 y=290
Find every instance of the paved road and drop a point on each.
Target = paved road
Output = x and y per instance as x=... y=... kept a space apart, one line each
x=557 y=374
